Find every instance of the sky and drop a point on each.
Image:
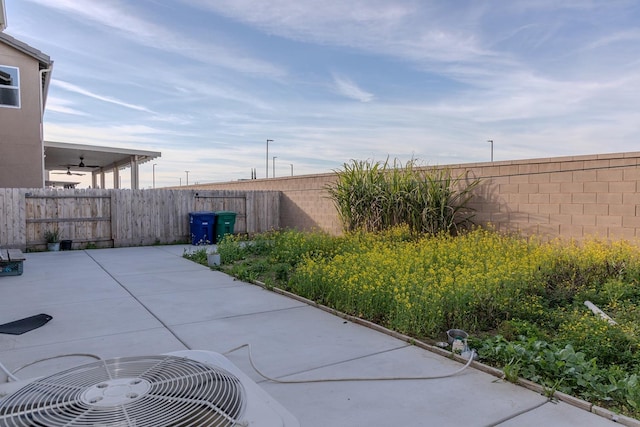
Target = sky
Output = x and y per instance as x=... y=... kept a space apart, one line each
x=207 y=82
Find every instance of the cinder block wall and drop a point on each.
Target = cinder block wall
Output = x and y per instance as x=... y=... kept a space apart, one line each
x=569 y=197
x=304 y=202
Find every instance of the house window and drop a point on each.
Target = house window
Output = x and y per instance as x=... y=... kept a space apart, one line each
x=9 y=87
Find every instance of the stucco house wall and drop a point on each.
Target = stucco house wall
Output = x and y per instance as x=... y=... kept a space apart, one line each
x=21 y=155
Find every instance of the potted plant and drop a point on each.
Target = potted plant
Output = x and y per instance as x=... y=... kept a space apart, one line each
x=53 y=239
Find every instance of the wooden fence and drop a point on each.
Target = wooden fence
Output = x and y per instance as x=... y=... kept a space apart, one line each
x=116 y=218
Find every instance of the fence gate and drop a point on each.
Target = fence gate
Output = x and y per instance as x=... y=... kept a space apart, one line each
x=115 y=218
x=84 y=217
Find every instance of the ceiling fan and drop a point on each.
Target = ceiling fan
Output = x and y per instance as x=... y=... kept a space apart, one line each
x=82 y=165
x=68 y=172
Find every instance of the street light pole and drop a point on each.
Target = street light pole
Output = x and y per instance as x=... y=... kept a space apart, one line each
x=154 y=175
x=187 y=172
x=291 y=168
x=274 y=166
x=267 y=171
x=491 y=141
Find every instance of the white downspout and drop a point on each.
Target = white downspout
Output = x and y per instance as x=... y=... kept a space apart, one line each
x=40 y=84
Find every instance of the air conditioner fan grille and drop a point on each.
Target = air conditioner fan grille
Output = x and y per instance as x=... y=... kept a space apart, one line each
x=154 y=391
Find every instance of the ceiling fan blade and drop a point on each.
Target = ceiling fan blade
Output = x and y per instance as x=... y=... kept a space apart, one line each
x=83 y=165
x=68 y=172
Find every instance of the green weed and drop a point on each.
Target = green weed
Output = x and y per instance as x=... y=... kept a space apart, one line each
x=521 y=300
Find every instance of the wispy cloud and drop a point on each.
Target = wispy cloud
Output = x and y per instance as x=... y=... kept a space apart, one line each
x=434 y=37
x=77 y=89
x=632 y=36
x=401 y=28
x=346 y=87
x=64 y=106
x=124 y=136
x=124 y=20
x=213 y=90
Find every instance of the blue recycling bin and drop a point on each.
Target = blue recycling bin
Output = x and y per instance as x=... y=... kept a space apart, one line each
x=201 y=226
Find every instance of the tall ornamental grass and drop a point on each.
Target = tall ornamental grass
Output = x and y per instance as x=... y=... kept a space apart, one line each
x=374 y=196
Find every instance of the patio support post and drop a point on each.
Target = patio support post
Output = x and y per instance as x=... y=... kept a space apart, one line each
x=116 y=177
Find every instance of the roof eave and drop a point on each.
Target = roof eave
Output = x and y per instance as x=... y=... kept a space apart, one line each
x=44 y=59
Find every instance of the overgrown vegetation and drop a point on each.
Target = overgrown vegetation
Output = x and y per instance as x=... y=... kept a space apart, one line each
x=405 y=263
x=521 y=300
x=374 y=196
x=199 y=255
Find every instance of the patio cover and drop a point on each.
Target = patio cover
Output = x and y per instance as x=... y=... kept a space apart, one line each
x=63 y=156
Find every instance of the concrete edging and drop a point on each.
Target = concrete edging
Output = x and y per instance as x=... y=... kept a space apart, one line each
x=571 y=400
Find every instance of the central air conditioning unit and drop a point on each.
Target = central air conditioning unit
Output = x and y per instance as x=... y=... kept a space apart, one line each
x=184 y=388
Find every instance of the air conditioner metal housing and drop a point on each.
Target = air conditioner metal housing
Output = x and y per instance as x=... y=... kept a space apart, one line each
x=183 y=388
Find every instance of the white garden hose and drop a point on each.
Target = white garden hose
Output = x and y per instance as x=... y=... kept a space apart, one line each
x=12 y=377
x=321 y=380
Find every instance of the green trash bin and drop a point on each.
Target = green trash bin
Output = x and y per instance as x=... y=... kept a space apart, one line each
x=225 y=223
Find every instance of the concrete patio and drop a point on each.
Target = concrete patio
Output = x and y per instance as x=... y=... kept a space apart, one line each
x=150 y=300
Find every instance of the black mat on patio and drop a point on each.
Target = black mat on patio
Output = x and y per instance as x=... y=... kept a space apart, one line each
x=18 y=327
